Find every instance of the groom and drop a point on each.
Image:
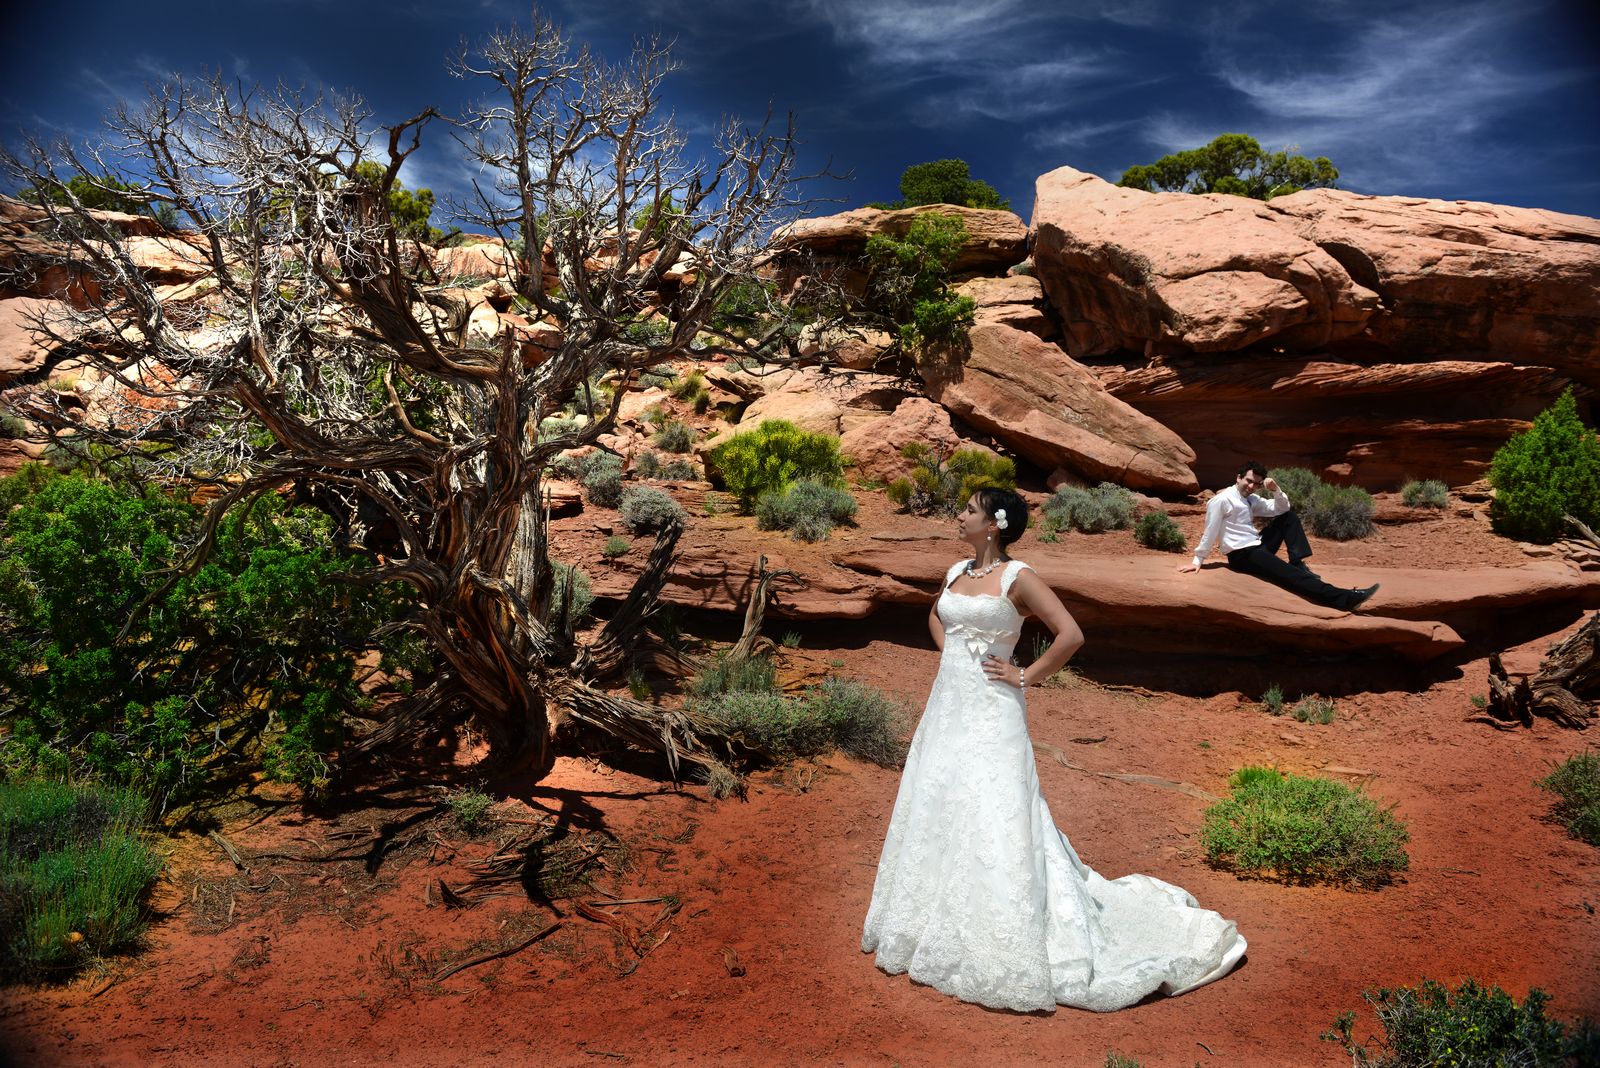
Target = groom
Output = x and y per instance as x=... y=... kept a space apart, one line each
x=1230 y=519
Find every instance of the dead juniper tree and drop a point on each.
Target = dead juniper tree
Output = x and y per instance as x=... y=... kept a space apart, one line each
x=330 y=357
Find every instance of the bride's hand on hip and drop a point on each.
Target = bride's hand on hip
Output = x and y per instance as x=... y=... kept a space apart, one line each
x=1002 y=671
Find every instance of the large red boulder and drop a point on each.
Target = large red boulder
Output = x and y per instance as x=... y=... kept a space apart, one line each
x=1030 y=395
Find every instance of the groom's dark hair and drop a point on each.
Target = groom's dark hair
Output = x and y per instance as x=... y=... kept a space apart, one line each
x=1253 y=467
x=992 y=500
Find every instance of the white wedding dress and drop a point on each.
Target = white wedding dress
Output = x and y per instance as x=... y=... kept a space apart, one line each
x=979 y=895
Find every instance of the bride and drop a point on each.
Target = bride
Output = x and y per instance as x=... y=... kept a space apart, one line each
x=977 y=893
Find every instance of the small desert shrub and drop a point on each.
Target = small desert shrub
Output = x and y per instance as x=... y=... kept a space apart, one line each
x=675 y=437
x=1315 y=710
x=1432 y=1026
x=772 y=456
x=615 y=546
x=1429 y=493
x=567 y=575
x=557 y=426
x=645 y=509
x=725 y=674
x=679 y=471
x=74 y=869
x=1342 y=513
x=647 y=465
x=661 y=374
x=720 y=780
x=1549 y=472
x=1156 y=530
x=942 y=485
x=791 y=640
x=1117 y=1060
x=12 y=425
x=863 y=721
x=1295 y=828
x=1105 y=507
x=468 y=808
x=638 y=686
x=808 y=510
x=692 y=391
x=1299 y=484
x=601 y=475
x=1272 y=700
x=1576 y=784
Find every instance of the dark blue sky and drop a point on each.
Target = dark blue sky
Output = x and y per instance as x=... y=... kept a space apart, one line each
x=1479 y=101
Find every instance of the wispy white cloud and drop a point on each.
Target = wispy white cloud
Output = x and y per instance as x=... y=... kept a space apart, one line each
x=1405 y=102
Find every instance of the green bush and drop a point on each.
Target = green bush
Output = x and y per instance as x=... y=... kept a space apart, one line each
x=944 y=181
x=469 y=808
x=577 y=578
x=601 y=475
x=646 y=509
x=1299 y=484
x=1105 y=507
x=249 y=659
x=1313 y=709
x=1295 y=828
x=840 y=714
x=74 y=869
x=614 y=547
x=647 y=465
x=1429 y=493
x=1576 y=784
x=1272 y=701
x=1472 y=1026
x=1342 y=513
x=675 y=437
x=679 y=471
x=942 y=486
x=1156 y=530
x=12 y=425
x=907 y=283
x=773 y=455
x=725 y=674
x=808 y=509
x=1549 y=472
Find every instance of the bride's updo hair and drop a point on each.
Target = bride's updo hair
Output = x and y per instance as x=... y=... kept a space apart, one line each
x=1016 y=509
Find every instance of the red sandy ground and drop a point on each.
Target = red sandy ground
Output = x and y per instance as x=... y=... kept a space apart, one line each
x=324 y=964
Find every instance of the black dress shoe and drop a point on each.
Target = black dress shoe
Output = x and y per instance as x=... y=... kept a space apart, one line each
x=1301 y=564
x=1359 y=597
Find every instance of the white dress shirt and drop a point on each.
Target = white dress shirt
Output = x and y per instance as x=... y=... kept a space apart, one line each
x=1231 y=517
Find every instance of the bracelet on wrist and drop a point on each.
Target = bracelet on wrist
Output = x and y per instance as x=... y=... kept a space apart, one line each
x=1022 y=678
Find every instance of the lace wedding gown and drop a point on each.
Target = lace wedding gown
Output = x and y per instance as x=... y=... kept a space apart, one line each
x=979 y=895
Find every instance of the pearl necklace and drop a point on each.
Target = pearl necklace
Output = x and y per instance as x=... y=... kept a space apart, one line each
x=978 y=572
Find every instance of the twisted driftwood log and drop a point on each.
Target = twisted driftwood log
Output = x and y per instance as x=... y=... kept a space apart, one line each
x=1564 y=689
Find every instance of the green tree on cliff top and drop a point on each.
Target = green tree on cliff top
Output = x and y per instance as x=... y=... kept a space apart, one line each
x=1233 y=163
x=945 y=181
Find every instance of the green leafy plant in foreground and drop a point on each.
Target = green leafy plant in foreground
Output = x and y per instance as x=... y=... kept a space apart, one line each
x=1576 y=784
x=1472 y=1026
x=74 y=869
x=1302 y=829
x=249 y=659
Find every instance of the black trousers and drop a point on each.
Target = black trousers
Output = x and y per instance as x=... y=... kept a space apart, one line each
x=1263 y=562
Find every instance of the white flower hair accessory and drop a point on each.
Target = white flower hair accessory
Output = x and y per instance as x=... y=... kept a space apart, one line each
x=1000 y=518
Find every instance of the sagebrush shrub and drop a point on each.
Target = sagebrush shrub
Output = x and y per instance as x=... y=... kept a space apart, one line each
x=1428 y=493
x=679 y=471
x=675 y=437
x=647 y=465
x=840 y=714
x=1296 y=828
x=661 y=374
x=773 y=455
x=1342 y=513
x=1545 y=474
x=943 y=485
x=1156 y=530
x=601 y=475
x=1272 y=701
x=1299 y=484
x=808 y=509
x=1576 y=784
x=614 y=547
x=645 y=509
x=1313 y=709
x=570 y=575
x=862 y=721
x=1092 y=511
x=1432 y=1026
x=72 y=863
x=725 y=674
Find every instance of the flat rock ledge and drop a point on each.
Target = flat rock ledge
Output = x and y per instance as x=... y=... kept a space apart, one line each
x=1142 y=604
